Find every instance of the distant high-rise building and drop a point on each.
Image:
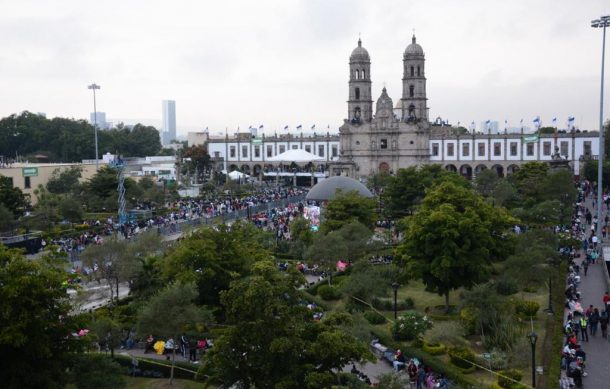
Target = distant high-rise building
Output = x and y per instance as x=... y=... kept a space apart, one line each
x=492 y=127
x=99 y=118
x=169 y=121
x=43 y=114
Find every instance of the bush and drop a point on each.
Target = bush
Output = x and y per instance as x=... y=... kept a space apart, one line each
x=374 y=317
x=388 y=304
x=327 y=292
x=434 y=348
x=507 y=383
x=410 y=325
x=461 y=357
x=497 y=360
x=506 y=286
x=468 y=320
x=526 y=308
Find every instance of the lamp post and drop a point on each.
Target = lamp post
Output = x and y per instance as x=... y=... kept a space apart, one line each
x=533 y=337
x=395 y=286
x=602 y=22
x=93 y=87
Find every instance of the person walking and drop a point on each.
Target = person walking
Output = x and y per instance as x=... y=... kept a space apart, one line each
x=585 y=266
x=603 y=322
x=594 y=321
x=584 y=334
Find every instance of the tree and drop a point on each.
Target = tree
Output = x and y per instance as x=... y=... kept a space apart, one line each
x=171 y=312
x=95 y=371
x=65 y=181
x=327 y=250
x=197 y=160
x=527 y=180
x=451 y=241
x=346 y=208
x=273 y=341
x=486 y=182
x=36 y=344
x=7 y=221
x=12 y=198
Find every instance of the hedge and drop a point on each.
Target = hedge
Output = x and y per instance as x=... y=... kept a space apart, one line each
x=182 y=370
x=452 y=373
x=434 y=349
x=327 y=293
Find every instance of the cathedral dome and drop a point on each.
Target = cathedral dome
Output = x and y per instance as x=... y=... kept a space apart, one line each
x=360 y=53
x=413 y=49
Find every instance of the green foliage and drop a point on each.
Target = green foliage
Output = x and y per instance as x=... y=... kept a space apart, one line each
x=452 y=240
x=374 y=318
x=513 y=374
x=35 y=325
x=290 y=349
x=434 y=348
x=12 y=198
x=506 y=286
x=198 y=160
x=461 y=357
x=327 y=292
x=393 y=381
x=346 y=208
x=7 y=219
x=590 y=172
x=65 y=181
x=95 y=371
x=410 y=325
x=388 y=304
x=526 y=308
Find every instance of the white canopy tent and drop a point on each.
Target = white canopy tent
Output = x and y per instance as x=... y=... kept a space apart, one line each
x=235 y=175
x=297 y=156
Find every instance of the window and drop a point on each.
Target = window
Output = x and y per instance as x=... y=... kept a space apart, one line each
x=244 y=151
x=450 y=149
x=357 y=93
x=481 y=149
x=308 y=148
x=269 y=151
x=363 y=74
x=257 y=151
x=320 y=150
x=466 y=149
x=564 y=145
x=394 y=145
x=232 y=151
x=497 y=149
x=412 y=71
x=418 y=73
x=357 y=74
x=513 y=149
x=435 y=149
x=530 y=150
x=335 y=150
x=373 y=145
x=383 y=144
x=546 y=148
x=411 y=90
x=587 y=148
x=295 y=147
x=216 y=154
x=282 y=149
x=27 y=184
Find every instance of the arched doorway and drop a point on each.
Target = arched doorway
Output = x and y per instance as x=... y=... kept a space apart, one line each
x=466 y=172
x=245 y=169
x=384 y=168
x=511 y=169
x=499 y=169
x=233 y=168
x=451 y=168
x=256 y=170
x=479 y=169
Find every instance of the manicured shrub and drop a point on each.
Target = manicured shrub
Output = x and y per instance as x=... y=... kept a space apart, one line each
x=410 y=325
x=468 y=320
x=506 y=286
x=388 y=304
x=327 y=292
x=434 y=348
x=526 y=308
x=374 y=317
x=461 y=357
x=504 y=382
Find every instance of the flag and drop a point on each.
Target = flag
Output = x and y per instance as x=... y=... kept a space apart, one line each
x=536 y=122
x=313 y=127
x=472 y=125
x=286 y=128
x=261 y=127
x=299 y=127
x=554 y=121
x=570 y=122
x=530 y=139
x=488 y=124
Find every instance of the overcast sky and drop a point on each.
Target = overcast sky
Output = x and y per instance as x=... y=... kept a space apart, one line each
x=283 y=62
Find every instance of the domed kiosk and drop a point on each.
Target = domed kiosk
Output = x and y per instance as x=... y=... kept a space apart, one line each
x=327 y=189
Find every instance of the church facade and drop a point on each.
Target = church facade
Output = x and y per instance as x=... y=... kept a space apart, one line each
x=387 y=137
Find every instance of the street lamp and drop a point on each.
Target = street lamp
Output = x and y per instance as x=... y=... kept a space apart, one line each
x=533 y=337
x=395 y=286
x=93 y=87
x=602 y=22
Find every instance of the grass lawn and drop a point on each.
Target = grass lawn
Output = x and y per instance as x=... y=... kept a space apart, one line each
x=156 y=383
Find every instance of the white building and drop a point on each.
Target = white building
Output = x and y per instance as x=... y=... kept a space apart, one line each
x=99 y=118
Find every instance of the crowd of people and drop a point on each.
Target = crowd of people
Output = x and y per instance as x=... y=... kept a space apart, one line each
x=420 y=376
x=581 y=324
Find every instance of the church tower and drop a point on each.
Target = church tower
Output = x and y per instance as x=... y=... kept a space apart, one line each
x=413 y=102
x=359 y=104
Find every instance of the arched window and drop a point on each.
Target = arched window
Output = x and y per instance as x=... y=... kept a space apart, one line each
x=418 y=73
x=357 y=93
x=357 y=74
x=411 y=90
x=412 y=71
x=363 y=74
